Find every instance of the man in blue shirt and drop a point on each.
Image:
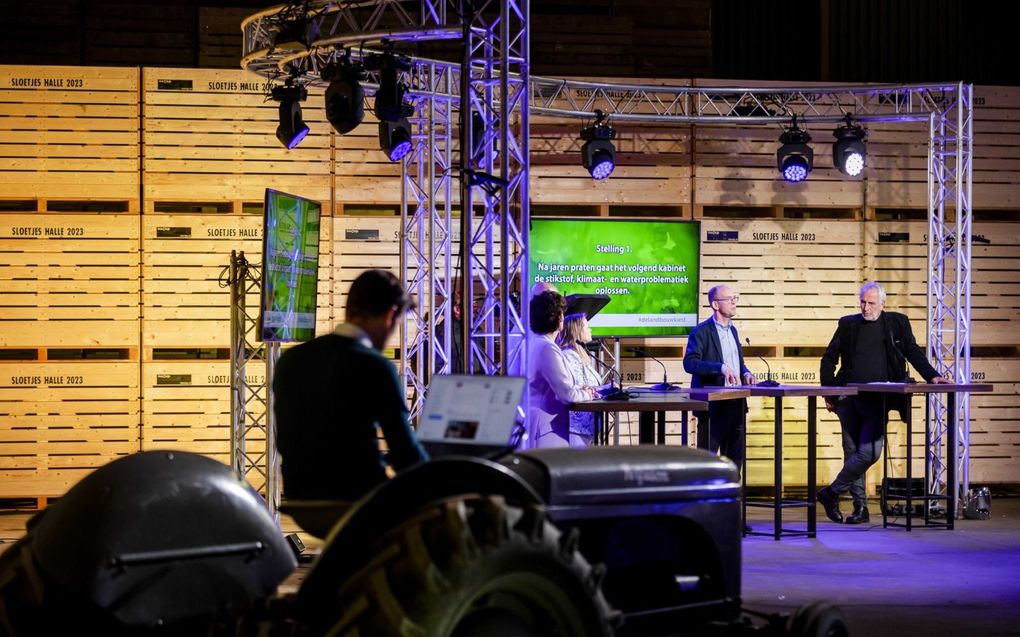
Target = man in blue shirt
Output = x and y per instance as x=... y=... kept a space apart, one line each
x=713 y=358
x=334 y=394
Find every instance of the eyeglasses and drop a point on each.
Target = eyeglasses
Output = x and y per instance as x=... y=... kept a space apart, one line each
x=735 y=299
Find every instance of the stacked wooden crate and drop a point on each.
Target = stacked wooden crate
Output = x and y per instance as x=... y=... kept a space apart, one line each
x=69 y=274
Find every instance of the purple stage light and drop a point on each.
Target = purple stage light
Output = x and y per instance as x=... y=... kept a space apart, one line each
x=400 y=151
x=603 y=168
x=795 y=169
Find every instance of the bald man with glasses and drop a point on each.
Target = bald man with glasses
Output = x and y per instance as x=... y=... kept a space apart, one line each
x=714 y=358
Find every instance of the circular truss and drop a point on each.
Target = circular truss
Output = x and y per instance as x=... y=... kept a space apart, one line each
x=297 y=41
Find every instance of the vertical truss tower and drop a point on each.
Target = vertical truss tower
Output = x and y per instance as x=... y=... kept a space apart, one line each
x=494 y=185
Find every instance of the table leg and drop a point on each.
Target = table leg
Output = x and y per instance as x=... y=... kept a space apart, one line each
x=661 y=432
x=777 y=491
x=812 y=488
x=910 y=474
x=952 y=456
x=928 y=455
x=646 y=427
x=683 y=427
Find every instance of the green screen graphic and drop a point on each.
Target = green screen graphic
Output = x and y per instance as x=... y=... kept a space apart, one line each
x=290 y=268
x=648 y=268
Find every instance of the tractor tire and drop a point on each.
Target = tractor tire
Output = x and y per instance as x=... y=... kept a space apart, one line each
x=470 y=567
x=818 y=619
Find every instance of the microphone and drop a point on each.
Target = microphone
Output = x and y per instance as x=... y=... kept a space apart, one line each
x=768 y=382
x=616 y=393
x=665 y=385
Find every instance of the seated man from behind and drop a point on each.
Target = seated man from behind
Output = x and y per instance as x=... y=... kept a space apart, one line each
x=335 y=393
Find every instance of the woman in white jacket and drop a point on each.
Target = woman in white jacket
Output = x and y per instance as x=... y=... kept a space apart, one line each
x=550 y=383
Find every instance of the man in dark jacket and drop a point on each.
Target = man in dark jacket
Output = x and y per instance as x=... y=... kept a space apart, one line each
x=335 y=393
x=714 y=358
x=873 y=346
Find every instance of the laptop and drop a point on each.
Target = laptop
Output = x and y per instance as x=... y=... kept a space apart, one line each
x=469 y=415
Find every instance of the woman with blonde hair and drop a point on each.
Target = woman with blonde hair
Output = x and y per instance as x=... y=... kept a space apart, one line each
x=574 y=332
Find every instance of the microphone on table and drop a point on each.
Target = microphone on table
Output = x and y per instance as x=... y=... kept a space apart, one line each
x=614 y=393
x=768 y=382
x=665 y=385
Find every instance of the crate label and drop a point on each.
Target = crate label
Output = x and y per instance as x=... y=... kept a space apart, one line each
x=173 y=379
x=234 y=87
x=48 y=231
x=783 y=236
x=47 y=379
x=250 y=233
x=894 y=237
x=47 y=82
x=166 y=232
x=173 y=85
x=723 y=235
x=361 y=234
x=224 y=379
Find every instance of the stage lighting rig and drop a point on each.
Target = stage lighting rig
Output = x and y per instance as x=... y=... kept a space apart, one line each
x=849 y=150
x=395 y=138
x=344 y=97
x=794 y=158
x=598 y=155
x=292 y=128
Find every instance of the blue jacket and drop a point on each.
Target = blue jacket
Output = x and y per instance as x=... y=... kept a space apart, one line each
x=703 y=358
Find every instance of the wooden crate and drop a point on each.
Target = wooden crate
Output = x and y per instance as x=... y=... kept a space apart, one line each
x=69 y=280
x=186 y=406
x=795 y=278
x=996 y=158
x=185 y=302
x=210 y=136
x=897 y=256
x=70 y=136
x=61 y=419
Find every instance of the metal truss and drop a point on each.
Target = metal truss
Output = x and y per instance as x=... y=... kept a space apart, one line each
x=426 y=249
x=494 y=186
x=252 y=422
x=496 y=100
x=949 y=284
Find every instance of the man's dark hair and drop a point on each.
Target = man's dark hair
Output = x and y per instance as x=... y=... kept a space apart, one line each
x=374 y=292
x=547 y=309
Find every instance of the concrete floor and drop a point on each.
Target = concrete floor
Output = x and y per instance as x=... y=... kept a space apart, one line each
x=887 y=582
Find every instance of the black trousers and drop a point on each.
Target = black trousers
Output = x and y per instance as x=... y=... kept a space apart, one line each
x=721 y=429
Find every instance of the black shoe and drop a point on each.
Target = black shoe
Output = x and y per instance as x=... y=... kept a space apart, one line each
x=859 y=516
x=830 y=501
x=748 y=529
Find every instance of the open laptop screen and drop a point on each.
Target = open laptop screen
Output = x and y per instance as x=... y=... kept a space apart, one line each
x=470 y=410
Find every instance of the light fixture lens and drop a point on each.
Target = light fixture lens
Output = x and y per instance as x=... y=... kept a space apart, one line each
x=603 y=166
x=598 y=156
x=853 y=164
x=795 y=168
x=395 y=138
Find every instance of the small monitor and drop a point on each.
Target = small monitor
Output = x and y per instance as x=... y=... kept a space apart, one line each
x=290 y=268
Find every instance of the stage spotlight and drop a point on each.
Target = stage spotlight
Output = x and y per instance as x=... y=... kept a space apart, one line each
x=794 y=158
x=345 y=99
x=395 y=138
x=292 y=128
x=849 y=150
x=598 y=155
x=389 y=98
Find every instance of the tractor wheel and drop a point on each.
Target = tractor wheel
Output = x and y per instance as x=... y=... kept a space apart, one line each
x=471 y=567
x=818 y=619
